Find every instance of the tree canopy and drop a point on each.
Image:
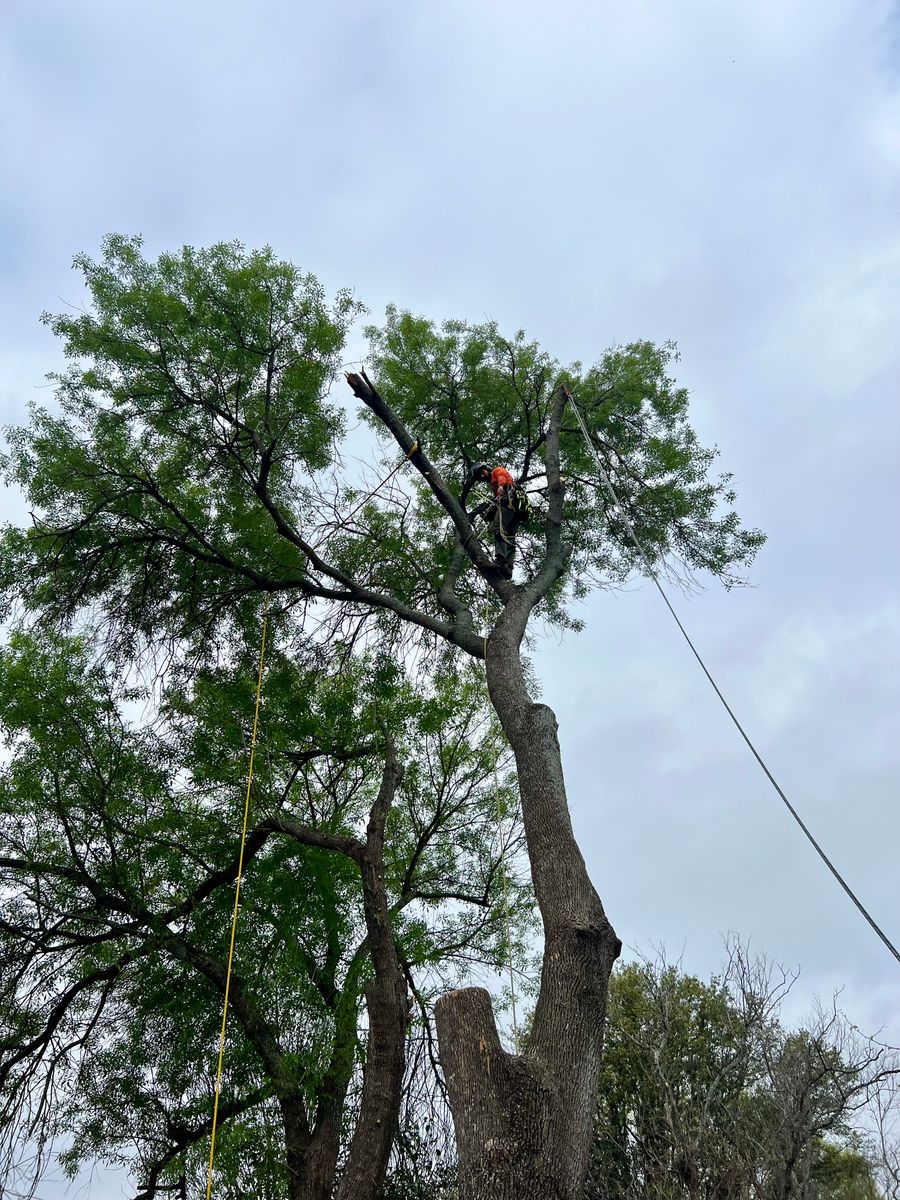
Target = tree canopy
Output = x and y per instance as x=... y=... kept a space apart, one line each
x=193 y=475
x=706 y=1092
x=118 y=863
x=194 y=460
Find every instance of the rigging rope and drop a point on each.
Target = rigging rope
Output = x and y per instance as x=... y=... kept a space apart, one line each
x=390 y=475
x=607 y=483
x=237 y=895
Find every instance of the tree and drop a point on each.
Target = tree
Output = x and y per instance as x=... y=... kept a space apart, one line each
x=886 y=1137
x=193 y=471
x=705 y=1093
x=117 y=865
x=818 y=1079
x=841 y=1173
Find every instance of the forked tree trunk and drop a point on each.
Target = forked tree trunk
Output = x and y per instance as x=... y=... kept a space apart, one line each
x=524 y=1122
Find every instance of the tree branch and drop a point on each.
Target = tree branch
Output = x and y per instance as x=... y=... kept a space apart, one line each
x=365 y=391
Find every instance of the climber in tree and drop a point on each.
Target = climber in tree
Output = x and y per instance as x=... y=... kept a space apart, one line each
x=508 y=511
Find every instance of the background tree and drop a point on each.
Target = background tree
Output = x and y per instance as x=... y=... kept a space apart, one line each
x=705 y=1093
x=117 y=867
x=193 y=470
x=886 y=1137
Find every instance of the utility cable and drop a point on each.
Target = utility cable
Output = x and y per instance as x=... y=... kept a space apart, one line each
x=607 y=482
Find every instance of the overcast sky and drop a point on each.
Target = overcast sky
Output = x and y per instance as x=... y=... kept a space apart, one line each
x=723 y=174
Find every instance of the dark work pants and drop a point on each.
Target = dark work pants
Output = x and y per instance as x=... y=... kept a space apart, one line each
x=506 y=523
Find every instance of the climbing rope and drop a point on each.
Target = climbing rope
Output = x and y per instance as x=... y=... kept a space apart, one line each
x=509 y=541
x=607 y=483
x=390 y=475
x=237 y=895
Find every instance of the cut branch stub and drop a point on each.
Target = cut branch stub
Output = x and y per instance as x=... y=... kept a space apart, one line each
x=502 y=1105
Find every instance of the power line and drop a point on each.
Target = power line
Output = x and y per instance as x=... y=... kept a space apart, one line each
x=607 y=482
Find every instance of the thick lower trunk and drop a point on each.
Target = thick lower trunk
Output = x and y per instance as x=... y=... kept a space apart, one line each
x=324 y=1146
x=311 y=1157
x=524 y=1123
x=502 y=1106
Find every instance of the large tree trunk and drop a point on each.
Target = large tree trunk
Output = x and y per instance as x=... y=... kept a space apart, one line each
x=524 y=1122
x=373 y=1137
x=296 y=1142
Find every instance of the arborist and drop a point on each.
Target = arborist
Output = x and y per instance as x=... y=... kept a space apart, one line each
x=508 y=511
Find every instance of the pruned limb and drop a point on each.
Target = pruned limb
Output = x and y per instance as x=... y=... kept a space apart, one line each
x=364 y=390
x=502 y=1104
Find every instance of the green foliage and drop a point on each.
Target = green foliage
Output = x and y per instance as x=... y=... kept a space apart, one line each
x=193 y=465
x=192 y=378
x=842 y=1173
x=471 y=394
x=705 y=1094
x=117 y=851
x=190 y=476
x=673 y=1042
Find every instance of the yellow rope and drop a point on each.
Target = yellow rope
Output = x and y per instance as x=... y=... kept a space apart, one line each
x=237 y=895
x=237 y=891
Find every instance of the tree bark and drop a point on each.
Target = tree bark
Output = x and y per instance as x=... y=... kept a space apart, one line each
x=523 y=1122
x=296 y=1144
x=312 y=1155
x=325 y=1144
